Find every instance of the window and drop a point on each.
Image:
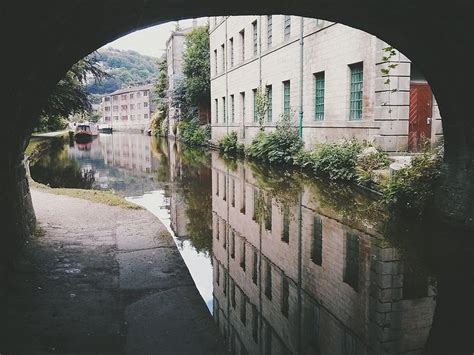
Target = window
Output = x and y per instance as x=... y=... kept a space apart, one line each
x=232 y=244
x=224 y=282
x=124 y=117
x=255 y=38
x=115 y=98
x=268 y=213
x=243 y=198
x=269 y=30
x=232 y=293
x=107 y=108
x=116 y=118
x=242 y=100
x=145 y=93
x=223 y=110
x=115 y=108
x=243 y=308
x=131 y=96
x=242 y=45
x=285 y=235
x=255 y=204
x=224 y=197
x=132 y=106
x=317 y=246
x=215 y=61
x=255 y=267
x=132 y=117
x=107 y=118
x=268 y=281
x=145 y=104
x=139 y=105
x=232 y=108
x=270 y=104
x=124 y=97
x=145 y=116
x=351 y=265
x=232 y=192
x=231 y=49
x=254 y=324
x=286 y=98
x=138 y=94
x=223 y=57
x=356 y=91
x=255 y=115
x=242 y=255
x=285 y=293
x=287 y=27
x=216 y=104
x=107 y=99
x=123 y=107
x=319 y=96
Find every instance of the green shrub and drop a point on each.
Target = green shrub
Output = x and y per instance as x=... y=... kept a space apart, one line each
x=278 y=147
x=369 y=160
x=412 y=186
x=337 y=160
x=192 y=133
x=229 y=144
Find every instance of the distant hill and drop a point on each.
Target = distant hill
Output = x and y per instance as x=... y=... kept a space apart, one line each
x=125 y=67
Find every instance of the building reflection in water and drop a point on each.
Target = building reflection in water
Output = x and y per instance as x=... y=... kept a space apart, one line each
x=304 y=281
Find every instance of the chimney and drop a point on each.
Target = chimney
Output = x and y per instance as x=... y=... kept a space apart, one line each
x=194 y=23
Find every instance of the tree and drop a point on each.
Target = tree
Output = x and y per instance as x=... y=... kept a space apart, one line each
x=69 y=96
x=196 y=66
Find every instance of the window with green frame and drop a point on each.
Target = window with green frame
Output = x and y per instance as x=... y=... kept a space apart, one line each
x=223 y=110
x=255 y=118
x=357 y=81
x=317 y=245
x=286 y=97
x=287 y=27
x=319 y=83
x=269 y=98
x=232 y=108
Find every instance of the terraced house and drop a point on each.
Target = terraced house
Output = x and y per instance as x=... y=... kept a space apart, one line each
x=327 y=77
x=128 y=108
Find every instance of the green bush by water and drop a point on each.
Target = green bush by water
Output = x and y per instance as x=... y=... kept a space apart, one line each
x=192 y=133
x=412 y=186
x=229 y=144
x=278 y=147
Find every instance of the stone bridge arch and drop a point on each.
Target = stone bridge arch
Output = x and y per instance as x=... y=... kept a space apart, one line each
x=41 y=40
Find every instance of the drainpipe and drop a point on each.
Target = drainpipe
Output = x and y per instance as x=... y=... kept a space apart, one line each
x=301 y=78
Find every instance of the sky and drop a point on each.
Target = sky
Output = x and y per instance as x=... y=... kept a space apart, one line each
x=151 y=41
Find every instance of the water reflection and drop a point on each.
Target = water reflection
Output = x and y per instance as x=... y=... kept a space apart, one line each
x=291 y=277
x=289 y=264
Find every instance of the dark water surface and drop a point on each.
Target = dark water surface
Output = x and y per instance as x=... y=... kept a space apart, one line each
x=285 y=263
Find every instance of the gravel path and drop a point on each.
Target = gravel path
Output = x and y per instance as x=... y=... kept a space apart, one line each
x=103 y=280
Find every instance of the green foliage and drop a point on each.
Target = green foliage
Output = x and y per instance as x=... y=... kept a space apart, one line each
x=229 y=144
x=337 y=161
x=278 y=147
x=192 y=133
x=124 y=68
x=161 y=88
x=196 y=66
x=412 y=186
x=261 y=106
x=69 y=97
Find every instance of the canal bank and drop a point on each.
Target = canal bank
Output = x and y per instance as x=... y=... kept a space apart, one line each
x=102 y=279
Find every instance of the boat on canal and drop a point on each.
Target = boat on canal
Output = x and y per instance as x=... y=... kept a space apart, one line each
x=85 y=132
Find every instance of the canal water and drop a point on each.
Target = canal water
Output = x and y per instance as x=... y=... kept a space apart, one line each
x=286 y=264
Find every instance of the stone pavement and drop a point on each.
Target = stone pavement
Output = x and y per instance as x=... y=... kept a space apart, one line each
x=98 y=279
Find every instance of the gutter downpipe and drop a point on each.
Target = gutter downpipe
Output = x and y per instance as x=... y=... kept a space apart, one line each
x=301 y=78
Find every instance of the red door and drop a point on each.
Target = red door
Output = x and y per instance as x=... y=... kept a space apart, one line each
x=421 y=111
